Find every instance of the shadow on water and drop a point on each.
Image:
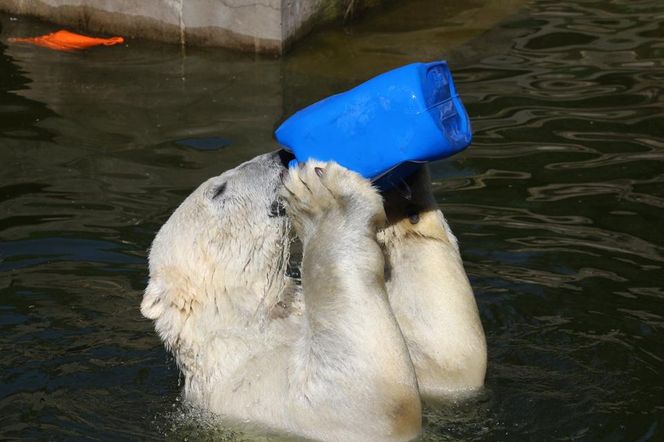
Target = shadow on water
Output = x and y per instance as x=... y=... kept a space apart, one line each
x=558 y=207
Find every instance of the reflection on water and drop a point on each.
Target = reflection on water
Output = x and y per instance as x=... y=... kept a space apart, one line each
x=558 y=207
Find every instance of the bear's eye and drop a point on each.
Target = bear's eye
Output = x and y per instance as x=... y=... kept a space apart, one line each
x=219 y=190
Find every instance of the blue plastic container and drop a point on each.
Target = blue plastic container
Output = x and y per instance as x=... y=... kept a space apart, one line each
x=385 y=127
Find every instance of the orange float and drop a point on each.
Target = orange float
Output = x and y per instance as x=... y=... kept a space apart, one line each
x=64 y=40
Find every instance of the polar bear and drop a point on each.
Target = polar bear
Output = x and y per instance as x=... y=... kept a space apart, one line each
x=338 y=357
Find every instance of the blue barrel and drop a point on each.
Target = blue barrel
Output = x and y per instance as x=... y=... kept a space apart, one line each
x=383 y=128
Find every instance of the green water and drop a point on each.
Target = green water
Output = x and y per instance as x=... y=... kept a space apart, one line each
x=558 y=206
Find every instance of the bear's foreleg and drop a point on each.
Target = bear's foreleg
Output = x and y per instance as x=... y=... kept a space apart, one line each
x=351 y=365
x=430 y=294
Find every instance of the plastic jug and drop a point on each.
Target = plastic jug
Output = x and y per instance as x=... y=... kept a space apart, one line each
x=383 y=128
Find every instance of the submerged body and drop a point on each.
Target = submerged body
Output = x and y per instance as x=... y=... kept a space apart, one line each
x=339 y=357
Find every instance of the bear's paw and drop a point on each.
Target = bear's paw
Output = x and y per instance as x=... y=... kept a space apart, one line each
x=315 y=190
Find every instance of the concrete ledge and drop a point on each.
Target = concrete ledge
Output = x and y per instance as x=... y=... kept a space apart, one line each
x=262 y=26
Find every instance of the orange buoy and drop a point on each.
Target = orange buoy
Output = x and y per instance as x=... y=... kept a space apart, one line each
x=67 y=41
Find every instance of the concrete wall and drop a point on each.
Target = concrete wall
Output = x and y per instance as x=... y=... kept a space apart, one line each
x=265 y=26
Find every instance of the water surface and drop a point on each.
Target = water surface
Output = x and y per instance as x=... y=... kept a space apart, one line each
x=558 y=206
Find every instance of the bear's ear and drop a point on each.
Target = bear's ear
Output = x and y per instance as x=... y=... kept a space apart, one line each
x=152 y=305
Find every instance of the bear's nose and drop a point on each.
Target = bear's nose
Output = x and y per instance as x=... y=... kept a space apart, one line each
x=284 y=157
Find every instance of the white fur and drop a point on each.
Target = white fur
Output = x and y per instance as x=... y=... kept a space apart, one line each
x=338 y=369
x=328 y=360
x=430 y=294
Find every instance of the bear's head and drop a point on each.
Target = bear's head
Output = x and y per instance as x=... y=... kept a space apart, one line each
x=221 y=257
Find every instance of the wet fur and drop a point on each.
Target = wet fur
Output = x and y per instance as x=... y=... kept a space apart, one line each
x=430 y=294
x=327 y=360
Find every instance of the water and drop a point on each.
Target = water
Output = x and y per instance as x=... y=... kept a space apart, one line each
x=558 y=206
